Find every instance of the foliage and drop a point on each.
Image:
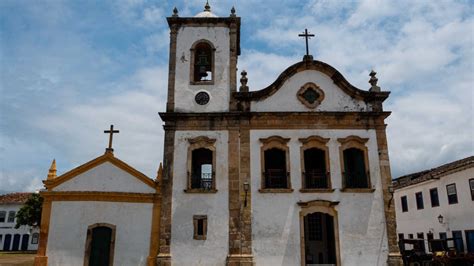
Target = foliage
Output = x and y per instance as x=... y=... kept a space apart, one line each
x=30 y=213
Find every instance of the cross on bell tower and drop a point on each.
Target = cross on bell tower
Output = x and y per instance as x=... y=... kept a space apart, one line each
x=111 y=135
x=307 y=36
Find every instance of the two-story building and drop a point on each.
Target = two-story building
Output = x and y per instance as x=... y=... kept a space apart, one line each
x=437 y=204
x=11 y=239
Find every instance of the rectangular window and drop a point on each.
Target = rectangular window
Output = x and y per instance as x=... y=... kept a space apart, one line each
x=469 y=240
x=471 y=185
x=458 y=242
x=276 y=175
x=429 y=236
x=434 y=197
x=200 y=227
x=404 y=204
x=421 y=236
x=11 y=216
x=452 y=193
x=442 y=235
x=3 y=215
x=410 y=236
x=419 y=201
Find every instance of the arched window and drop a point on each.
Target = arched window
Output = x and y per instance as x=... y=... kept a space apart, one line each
x=202 y=62
x=275 y=165
x=201 y=165
x=315 y=164
x=354 y=162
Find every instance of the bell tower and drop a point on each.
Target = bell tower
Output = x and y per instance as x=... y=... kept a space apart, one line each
x=203 y=62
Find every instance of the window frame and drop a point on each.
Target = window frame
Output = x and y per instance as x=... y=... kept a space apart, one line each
x=191 y=63
x=194 y=144
x=196 y=219
x=11 y=218
x=471 y=187
x=3 y=216
x=420 y=205
x=437 y=197
x=281 y=143
x=404 y=199
x=456 y=193
x=315 y=142
x=356 y=142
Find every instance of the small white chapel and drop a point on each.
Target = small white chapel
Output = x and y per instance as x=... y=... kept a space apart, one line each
x=296 y=173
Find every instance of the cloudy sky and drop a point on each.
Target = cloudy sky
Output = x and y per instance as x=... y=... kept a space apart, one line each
x=69 y=69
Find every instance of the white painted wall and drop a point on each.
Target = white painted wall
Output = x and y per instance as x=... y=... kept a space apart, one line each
x=7 y=228
x=276 y=224
x=214 y=250
x=70 y=220
x=457 y=217
x=285 y=99
x=184 y=91
x=105 y=177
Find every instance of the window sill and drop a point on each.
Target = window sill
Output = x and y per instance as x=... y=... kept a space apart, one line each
x=317 y=190
x=204 y=82
x=200 y=191
x=275 y=190
x=357 y=190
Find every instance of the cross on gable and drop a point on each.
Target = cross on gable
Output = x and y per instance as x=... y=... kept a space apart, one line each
x=111 y=135
x=307 y=36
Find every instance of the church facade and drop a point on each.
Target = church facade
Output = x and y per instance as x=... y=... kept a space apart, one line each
x=296 y=173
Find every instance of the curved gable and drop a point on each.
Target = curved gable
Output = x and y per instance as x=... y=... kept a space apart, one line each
x=339 y=94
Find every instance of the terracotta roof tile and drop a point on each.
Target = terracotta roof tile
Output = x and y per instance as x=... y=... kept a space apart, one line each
x=17 y=197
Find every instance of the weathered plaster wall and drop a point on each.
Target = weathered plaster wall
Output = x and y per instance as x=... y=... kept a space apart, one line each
x=276 y=222
x=457 y=217
x=214 y=250
x=219 y=91
x=105 y=177
x=285 y=99
x=70 y=220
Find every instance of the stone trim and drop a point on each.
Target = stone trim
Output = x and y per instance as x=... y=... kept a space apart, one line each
x=41 y=259
x=394 y=257
x=281 y=144
x=87 y=249
x=198 y=143
x=322 y=206
x=317 y=190
x=200 y=190
x=172 y=67
x=358 y=143
x=100 y=196
x=154 y=232
x=304 y=88
x=357 y=190
x=191 y=64
x=195 y=226
x=321 y=144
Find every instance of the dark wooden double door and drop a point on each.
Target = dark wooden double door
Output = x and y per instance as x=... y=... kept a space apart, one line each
x=319 y=239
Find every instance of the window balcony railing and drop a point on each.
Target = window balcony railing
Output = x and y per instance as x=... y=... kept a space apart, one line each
x=276 y=178
x=202 y=181
x=316 y=179
x=356 y=179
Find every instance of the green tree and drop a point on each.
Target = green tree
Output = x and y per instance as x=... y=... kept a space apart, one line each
x=30 y=213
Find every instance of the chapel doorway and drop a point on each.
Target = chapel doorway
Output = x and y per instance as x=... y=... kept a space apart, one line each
x=319 y=239
x=100 y=245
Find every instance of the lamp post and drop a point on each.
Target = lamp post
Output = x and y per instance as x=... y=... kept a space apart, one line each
x=246 y=189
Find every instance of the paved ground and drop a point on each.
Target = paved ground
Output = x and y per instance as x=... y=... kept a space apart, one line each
x=16 y=259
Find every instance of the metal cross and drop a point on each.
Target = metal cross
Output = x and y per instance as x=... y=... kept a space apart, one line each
x=307 y=36
x=111 y=134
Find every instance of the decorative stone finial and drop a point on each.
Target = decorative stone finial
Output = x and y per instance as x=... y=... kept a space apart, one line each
x=175 y=12
x=207 y=7
x=243 y=82
x=232 y=12
x=159 y=174
x=373 y=81
x=52 y=170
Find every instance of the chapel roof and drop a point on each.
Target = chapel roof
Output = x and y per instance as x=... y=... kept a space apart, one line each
x=15 y=198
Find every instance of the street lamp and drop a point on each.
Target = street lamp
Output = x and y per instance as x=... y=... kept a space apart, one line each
x=246 y=189
x=440 y=219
